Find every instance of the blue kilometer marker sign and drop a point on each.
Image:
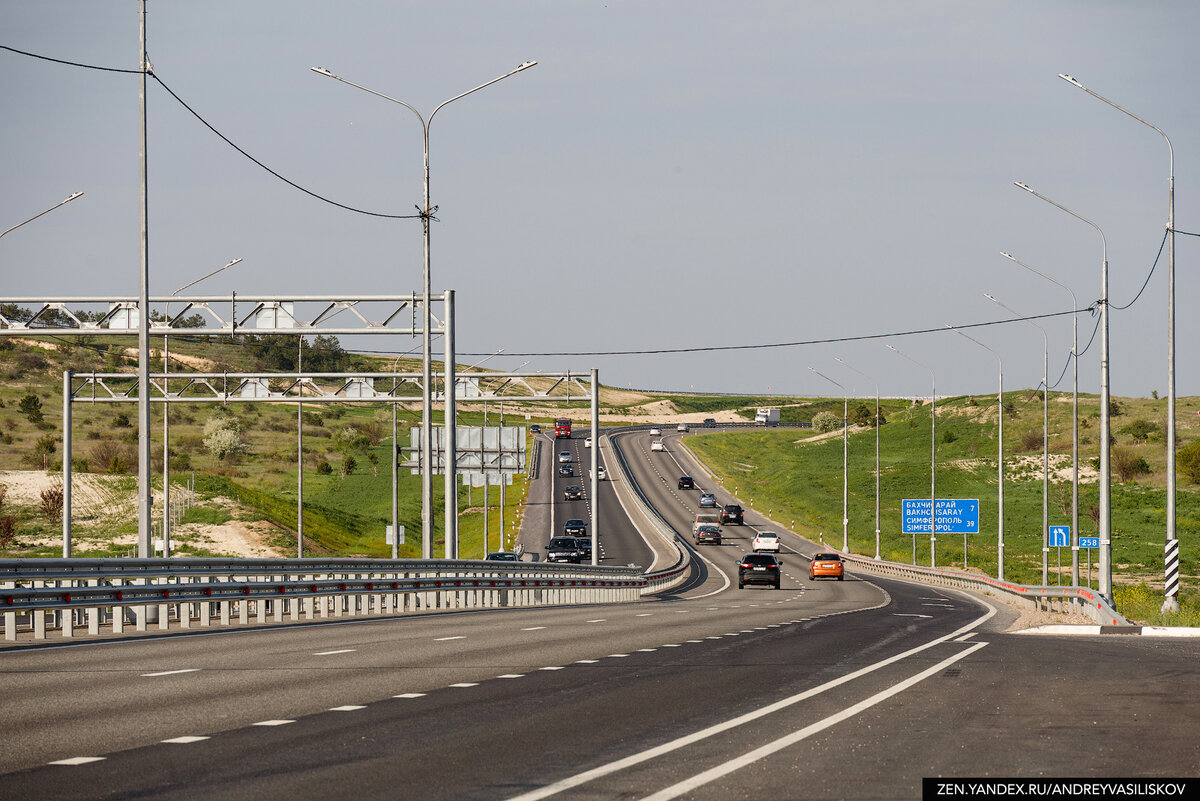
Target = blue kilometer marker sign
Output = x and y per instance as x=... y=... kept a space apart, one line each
x=954 y=515
x=1089 y=542
x=1060 y=536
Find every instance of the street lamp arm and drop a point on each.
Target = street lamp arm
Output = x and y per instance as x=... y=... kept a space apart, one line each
x=1103 y=241
x=201 y=278
x=327 y=73
x=1170 y=148
x=1074 y=302
x=526 y=65
x=47 y=211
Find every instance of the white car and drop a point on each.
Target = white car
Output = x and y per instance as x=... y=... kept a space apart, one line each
x=656 y=432
x=587 y=443
x=766 y=541
x=601 y=473
x=564 y=457
x=682 y=428
x=657 y=445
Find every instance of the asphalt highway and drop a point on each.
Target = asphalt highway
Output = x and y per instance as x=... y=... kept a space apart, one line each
x=852 y=689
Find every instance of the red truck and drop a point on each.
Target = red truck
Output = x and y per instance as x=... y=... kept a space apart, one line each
x=562 y=428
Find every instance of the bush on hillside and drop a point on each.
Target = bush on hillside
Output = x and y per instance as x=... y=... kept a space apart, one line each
x=1127 y=464
x=824 y=422
x=1187 y=461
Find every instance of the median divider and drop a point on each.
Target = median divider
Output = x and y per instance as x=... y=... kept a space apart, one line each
x=40 y=596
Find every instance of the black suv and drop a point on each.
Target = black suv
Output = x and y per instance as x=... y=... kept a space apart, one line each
x=573 y=493
x=731 y=515
x=686 y=482
x=758 y=568
x=575 y=528
x=563 y=549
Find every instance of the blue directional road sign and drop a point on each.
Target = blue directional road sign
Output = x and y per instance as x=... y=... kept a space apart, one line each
x=1089 y=542
x=954 y=515
x=1060 y=536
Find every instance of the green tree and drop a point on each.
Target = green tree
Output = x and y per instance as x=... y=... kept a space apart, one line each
x=824 y=422
x=31 y=407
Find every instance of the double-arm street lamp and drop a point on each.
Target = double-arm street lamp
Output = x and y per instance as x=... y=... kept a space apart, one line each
x=1074 y=417
x=427 y=211
x=1105 y=523
x=845 y=459
x=1171 y=582
x=1045 y=439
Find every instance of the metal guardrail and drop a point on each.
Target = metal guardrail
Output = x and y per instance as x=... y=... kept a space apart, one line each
x=37 y=596
x=1080 y=599
x=673 y=576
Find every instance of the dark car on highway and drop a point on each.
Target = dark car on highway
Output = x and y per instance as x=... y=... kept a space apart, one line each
x=563 y=549
x=574 y=528
x=535 y=429
x=758 y=568
x=573 y=493
x=707 y=533
x=731 y=515
x=585 y=548
x=686 y=482
x=502 y=556
x=566 y=470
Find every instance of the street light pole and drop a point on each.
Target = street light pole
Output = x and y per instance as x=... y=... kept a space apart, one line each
x=845 y=459
x=1171 y=548
x=876 y=383
x=47 y=211
x=932 y=462
x=427 y=212
x=1045 y=441
x=166 y=512
x=1105 y=566
x=999 y=461
x=1074 y=418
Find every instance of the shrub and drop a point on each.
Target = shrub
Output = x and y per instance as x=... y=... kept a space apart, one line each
x=8 y=530
x=948 y=436
x=323 y=468
x=31 y=407
x=1142 y=430
x=1031 y=440
x=1187 y=461
x=824 y=422
x=223 y=435
x=1127 y=464
x=122 y=421
x=52 y=503
x=113 y=457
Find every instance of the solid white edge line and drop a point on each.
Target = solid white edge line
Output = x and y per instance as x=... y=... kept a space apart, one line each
x=686 y=740
x=678 y=789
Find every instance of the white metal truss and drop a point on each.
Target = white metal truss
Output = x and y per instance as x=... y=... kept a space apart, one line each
x=223 y=315
x=358 y=387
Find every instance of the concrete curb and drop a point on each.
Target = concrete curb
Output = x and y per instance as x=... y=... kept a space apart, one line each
x=1144 y=631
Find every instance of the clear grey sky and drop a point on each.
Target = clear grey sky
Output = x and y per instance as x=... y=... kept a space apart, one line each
x=670 y=175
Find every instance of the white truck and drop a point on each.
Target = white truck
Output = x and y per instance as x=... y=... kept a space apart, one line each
x=766 y=417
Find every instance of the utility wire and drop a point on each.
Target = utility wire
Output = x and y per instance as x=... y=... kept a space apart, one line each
x=290 y=183
x=223 y=137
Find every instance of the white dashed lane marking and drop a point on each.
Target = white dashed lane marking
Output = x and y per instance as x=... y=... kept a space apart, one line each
x=331 y=653
x=447 y=639
x=346 y=708
x=409 y=695
x=185 y=739
x=171 y=672
x=273 y=722
x=77 y=760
